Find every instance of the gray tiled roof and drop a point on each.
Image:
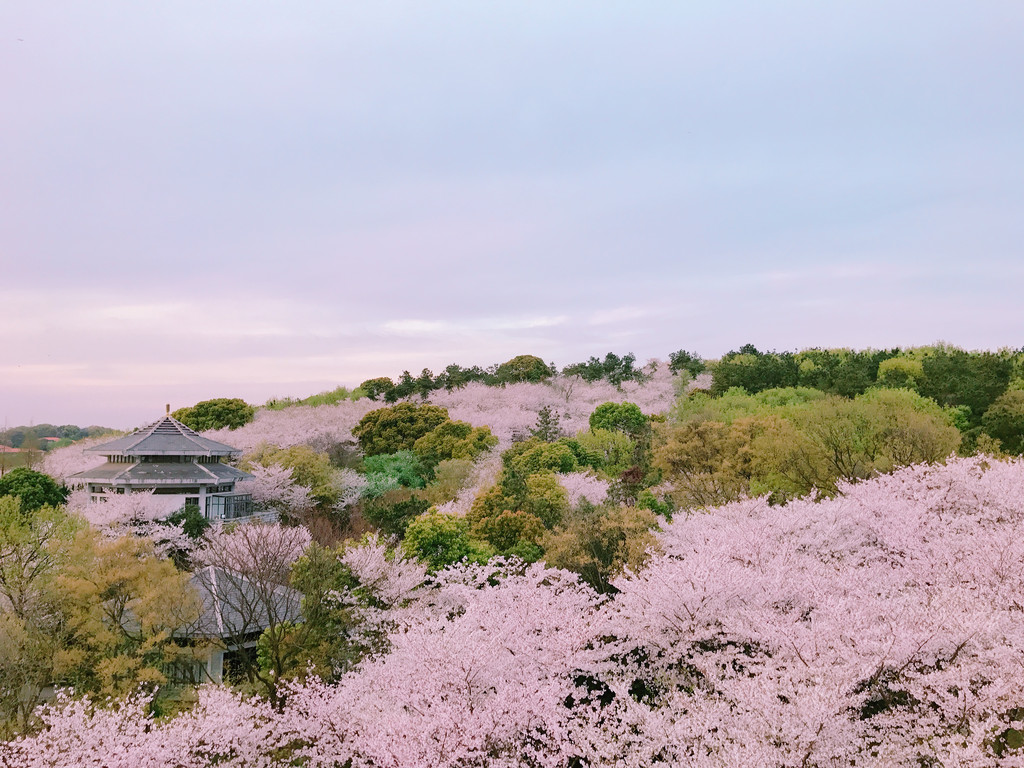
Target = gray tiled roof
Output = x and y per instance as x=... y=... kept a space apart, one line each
x=166 y=437
x=234 y=605
x=162 y=473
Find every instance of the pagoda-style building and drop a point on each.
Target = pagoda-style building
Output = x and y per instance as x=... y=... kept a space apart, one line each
x=169 y=459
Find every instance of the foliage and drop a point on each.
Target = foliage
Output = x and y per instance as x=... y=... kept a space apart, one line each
x=613 y=369
x=440 y=540
x=901 y=373
x=532 y=455
x=193 y=522
x=611 y=453
x=328 y=642
x=33 y=549
x=229 y=412
x=392 y=511
x=953 y=377
x=404 y=467
x=545 y=498
x=510 y=532
x=453 y=440
x=1004 y=421
x=450 y=477
x=690 y=362
x=33 y=489
x=547 y=427
x=127 y=606
x=754 y=371
x=599 y=543
x=721 y=449
x=620 y=417
x=397 y=428
x=524 y=368
x=377 y=388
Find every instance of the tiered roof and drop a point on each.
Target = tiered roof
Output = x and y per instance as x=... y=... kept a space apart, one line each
x=166 y=437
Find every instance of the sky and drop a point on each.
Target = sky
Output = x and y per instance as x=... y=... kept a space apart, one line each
x=261 y=199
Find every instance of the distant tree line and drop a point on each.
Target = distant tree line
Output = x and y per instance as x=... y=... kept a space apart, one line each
x=522 y=368
x=984 y=389
x=16 y=437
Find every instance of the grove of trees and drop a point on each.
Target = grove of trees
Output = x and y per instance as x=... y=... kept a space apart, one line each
x=772 y=559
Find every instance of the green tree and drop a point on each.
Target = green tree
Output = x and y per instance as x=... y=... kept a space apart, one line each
x=397 y=428
x=612 y=453
x=34 y=489
x=599 y=543
x=613 y=369
x=327 y=644
x=529 y=456
x=511 y=533
x=686 y=361
x=545 y=498
x=392 y=511
x=450 y=477
x=546 y=429
x=620 y=417
x=453 y=440
x=524 y=368
x=754 y=371
x=127 y=606
x=378 y=388
x=35 y=629
x=440 y=540
x=1004 y=420
x=218 y=413
x=953 y=377
x=901 y=373
x=404 y=467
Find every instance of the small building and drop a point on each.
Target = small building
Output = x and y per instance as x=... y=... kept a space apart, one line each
x=167 y=458
x=236 y=611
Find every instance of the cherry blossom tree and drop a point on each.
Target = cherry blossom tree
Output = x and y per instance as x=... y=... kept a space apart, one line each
x=135 y=514
x=583 y=485
x=272 y=487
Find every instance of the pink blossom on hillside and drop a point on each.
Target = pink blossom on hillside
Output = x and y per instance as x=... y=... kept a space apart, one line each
x=582 y=485
x=264 y=549
x=61 y=463
x=388 y=574
x=273 y=487
x=319 y=427
x=483 y=686
x=907 y=582
x=512 y=410
x=134 y=514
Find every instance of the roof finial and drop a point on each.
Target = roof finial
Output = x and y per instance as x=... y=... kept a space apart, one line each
x=168 y=409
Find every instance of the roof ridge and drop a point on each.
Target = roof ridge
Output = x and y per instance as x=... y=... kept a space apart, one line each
x=208 y=472
x=216 y=600
x=143 y=433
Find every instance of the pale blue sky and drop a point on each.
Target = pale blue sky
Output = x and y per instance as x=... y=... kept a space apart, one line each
x=272 y=198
